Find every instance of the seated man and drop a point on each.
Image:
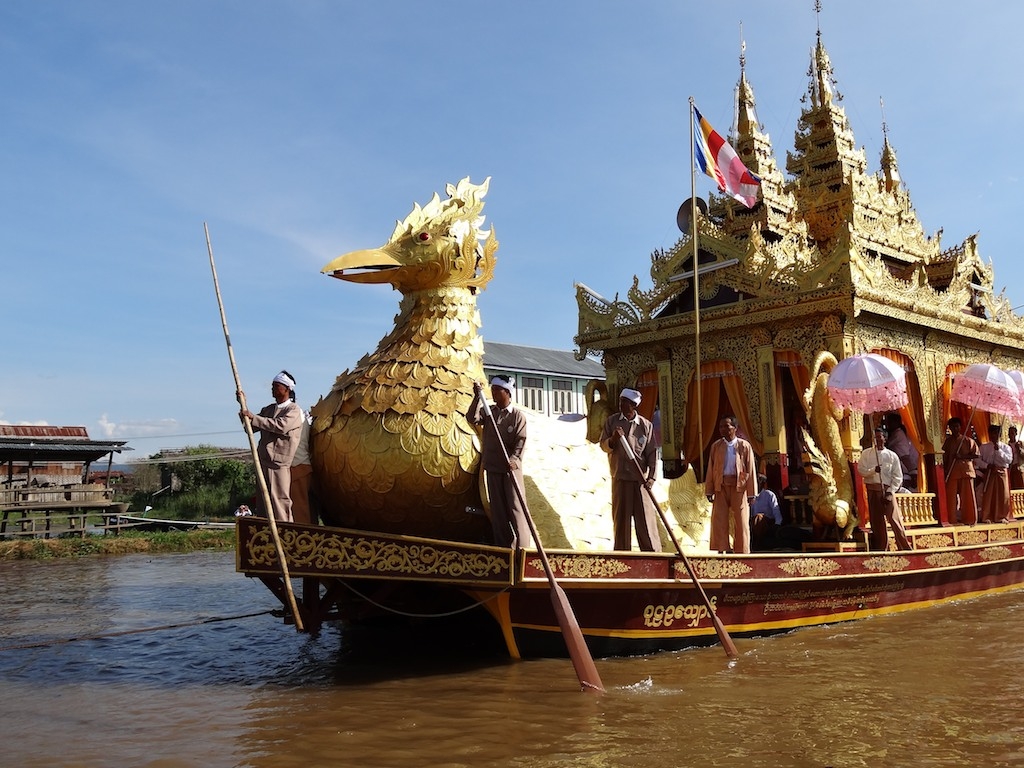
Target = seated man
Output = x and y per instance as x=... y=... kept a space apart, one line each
x=900 y=444
x=765 y=517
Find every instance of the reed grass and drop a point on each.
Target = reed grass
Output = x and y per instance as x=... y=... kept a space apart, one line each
x=125 y=543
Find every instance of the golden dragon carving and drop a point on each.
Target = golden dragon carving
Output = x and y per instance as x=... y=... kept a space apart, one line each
x=831 y=483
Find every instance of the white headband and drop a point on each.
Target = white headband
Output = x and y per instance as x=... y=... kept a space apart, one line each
x=631 y=394
x=507 y=384
x=284 y=378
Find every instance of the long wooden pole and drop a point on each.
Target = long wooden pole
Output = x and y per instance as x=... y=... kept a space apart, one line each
x=723 y=635
x=582 y=661
x=267 y=505
x=696 y=296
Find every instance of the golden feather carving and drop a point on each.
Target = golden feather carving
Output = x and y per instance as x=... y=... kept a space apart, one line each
x=391 y=448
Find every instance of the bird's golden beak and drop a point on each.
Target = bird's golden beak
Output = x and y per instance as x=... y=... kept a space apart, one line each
x=373 y=265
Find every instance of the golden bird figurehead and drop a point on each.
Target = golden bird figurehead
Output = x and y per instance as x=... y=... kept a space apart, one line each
x=440 y=244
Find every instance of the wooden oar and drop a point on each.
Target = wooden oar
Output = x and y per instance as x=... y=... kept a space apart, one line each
x=252 y=445
x=582 y=661
x=723 y=635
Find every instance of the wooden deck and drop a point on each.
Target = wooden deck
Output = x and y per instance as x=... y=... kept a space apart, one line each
x=56 y=510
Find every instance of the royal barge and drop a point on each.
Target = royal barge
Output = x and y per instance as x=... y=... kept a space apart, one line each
x=747 y=315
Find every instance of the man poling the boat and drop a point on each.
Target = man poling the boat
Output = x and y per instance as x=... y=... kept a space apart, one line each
x=575 y=643
x=630 y=507
x=501 y=459
x=723 y=634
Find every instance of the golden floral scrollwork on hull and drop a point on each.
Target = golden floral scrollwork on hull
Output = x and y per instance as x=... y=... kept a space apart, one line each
x=972 y=537
x=933 y=541
x=944 y=559
x=1003 y=534
x=995 y=553
x=886 y=563
x=328 y=552
x=713 y=569
x=583 y=567
x=811 y=567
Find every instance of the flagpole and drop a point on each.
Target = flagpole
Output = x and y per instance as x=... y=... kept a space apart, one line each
x=696 y=298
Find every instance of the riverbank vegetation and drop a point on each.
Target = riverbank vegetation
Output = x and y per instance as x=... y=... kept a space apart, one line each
x=125 y=543
x=196 y=483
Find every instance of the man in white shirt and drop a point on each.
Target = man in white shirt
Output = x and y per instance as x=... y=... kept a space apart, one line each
x=883 y=475
x=729 y=483
x=994 y=459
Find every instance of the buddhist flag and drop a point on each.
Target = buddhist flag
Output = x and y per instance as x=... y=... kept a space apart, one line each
x=716 y=157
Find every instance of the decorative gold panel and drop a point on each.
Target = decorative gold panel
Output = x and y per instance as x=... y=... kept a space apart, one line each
x=810 y=567
x=886 y=564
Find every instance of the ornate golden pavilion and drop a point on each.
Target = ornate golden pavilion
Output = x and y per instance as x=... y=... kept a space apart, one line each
x=832 y=258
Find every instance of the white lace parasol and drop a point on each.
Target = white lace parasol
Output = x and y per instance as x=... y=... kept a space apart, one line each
x=868 y=383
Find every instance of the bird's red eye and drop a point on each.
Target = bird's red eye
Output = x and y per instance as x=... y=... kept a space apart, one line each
x=423 y=237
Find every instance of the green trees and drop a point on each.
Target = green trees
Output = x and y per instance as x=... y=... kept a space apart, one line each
x=197 y=483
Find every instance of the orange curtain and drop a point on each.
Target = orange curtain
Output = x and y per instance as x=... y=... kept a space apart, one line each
x=709 y=394
x=794 y=364
x=738 y=399
x=951 y=408
x=791 y=362
x=713 y=377
x=647 y=386
x=912 y=414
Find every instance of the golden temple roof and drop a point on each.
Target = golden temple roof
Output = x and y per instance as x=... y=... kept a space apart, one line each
x=829 y=227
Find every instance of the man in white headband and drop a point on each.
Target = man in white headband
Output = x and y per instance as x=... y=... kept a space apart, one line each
x=280 y=426
x=508 y=518
x=631 y=506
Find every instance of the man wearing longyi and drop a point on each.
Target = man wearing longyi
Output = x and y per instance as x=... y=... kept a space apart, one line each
x=502 y=460
x=882 y=473
x=631 y=506
x=958 y=454
x=280 y=426
x=729 y=483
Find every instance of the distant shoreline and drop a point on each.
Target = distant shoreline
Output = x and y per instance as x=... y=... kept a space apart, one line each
x=126 y=543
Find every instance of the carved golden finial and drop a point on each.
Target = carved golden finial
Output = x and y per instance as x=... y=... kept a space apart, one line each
x=743 y=50
x=890 y=170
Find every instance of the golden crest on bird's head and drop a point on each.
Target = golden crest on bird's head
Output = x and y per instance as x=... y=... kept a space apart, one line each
x=442 y=243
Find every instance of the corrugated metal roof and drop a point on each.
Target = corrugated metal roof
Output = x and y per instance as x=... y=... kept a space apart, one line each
x=42 y=430
x=25 y=449
x=518 y=358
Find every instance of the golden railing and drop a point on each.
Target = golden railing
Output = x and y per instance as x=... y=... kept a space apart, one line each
x=916 y=508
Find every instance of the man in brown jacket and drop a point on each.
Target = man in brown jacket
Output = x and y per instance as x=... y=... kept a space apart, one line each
x=958 y=454
x=729 y=483
x=280 y=426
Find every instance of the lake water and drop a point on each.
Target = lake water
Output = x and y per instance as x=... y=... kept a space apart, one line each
x=146 y=660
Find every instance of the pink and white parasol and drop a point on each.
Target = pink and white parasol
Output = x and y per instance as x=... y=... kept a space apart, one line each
x=1018 y=379
x=868 y=383
x=986 y=387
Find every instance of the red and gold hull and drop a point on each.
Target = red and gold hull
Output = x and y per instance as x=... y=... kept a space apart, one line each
x=627 y=603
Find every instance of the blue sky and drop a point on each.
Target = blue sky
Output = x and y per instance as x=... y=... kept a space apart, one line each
x=301 y=130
